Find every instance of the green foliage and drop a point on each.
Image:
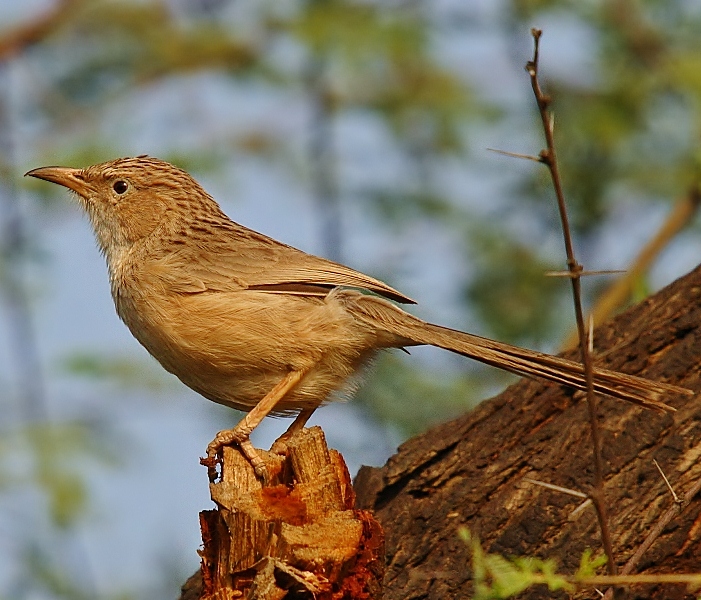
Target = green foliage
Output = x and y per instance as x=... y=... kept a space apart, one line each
x=402 y=208
x=124 y=371
x=111 y=46
x=57 y=582
x=57 y=455
x=379 y=58
x=412 y=399
x=509 y=287
x=495 y=576
x=589 y=564
x=637 y=123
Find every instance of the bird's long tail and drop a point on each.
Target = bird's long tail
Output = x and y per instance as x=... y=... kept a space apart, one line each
x=520 y=361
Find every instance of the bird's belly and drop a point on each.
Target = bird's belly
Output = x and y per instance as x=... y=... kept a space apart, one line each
x=235 y=349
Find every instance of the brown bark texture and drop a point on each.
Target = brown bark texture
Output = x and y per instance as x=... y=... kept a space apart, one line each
x=296 y=537
x=470 y=472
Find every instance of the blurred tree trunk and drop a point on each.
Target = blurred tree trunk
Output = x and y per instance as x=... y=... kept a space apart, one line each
x=470 y=472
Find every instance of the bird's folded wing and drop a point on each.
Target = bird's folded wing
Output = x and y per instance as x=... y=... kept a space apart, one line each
x=245 y=259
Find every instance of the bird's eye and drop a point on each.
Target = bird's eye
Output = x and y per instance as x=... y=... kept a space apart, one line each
x=120 y=186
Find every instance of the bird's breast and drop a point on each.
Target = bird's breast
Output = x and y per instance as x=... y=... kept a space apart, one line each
x=233 y=347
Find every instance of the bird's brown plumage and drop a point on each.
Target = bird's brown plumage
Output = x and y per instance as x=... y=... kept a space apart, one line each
x=231 y=312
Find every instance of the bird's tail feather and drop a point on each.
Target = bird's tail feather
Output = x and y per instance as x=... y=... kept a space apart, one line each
x=520 y=361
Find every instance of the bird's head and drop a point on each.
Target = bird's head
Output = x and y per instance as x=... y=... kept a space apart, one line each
x=128 y=198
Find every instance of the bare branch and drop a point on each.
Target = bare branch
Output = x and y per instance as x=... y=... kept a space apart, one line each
x=19 y=38
x=549 y=158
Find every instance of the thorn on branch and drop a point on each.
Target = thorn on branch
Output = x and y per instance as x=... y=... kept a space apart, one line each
x=574 y=266
x=556 y=488
x=586 y=504
x=516 y=155
x=676 y=498
x=583 y=273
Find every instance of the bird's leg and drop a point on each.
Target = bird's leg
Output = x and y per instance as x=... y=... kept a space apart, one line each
x=240 y=434
x=280 y=445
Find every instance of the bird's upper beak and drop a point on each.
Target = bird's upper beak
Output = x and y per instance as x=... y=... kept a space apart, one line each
x=73 y=179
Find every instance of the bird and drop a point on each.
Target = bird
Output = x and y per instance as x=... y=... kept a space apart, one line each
x=255 y=324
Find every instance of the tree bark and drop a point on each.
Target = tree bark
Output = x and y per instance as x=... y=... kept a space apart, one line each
x=470 y=472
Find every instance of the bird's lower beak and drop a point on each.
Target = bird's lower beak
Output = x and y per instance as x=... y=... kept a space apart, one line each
x=73 y=179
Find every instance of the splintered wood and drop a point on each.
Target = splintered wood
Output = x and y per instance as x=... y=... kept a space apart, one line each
x=298 y=537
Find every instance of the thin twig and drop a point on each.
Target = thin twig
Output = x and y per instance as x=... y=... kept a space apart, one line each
x=556 y=488
x=564 y=490
x=580 y=508
x=549 y=158
x=673 y=511
x=582 y=273
x=693 y=579
x=517 y=155
x=669 y=485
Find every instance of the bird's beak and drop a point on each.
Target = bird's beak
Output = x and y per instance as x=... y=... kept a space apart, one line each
x=73 y=179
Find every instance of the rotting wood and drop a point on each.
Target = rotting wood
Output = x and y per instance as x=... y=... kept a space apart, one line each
x=299 y=536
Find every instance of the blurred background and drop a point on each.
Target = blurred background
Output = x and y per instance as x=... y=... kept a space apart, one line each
x=357 y=130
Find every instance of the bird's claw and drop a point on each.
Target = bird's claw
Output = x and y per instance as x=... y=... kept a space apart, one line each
x=229 y=437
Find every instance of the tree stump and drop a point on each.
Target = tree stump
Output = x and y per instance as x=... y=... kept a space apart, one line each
x=298 y=537
x=473 y=471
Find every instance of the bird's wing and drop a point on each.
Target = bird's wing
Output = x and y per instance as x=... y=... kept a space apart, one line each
x=240 y=258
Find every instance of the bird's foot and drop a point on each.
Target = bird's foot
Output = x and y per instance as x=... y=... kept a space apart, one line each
x=228 y=437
